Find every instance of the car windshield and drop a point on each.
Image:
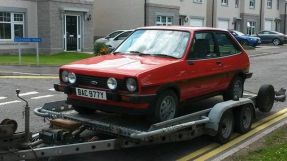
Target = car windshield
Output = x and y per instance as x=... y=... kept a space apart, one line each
x=239 y=33
x=114 y=34
x=168 y=43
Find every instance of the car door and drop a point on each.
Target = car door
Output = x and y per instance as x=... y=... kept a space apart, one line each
x=230 y=56
x=204 y=69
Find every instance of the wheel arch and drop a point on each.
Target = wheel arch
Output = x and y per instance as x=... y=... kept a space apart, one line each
x=170 y=86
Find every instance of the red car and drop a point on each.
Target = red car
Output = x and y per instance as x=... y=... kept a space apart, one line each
x=155 y=69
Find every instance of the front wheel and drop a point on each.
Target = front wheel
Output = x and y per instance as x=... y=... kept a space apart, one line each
x=235 y=89
x=165 y=107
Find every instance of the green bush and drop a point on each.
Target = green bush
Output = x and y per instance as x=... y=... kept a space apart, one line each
x=101 y=49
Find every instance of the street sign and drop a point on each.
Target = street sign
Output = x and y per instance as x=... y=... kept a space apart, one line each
x=20 y=40
x=27 y=39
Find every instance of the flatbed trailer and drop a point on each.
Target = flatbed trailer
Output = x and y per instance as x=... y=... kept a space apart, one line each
x=73 y=133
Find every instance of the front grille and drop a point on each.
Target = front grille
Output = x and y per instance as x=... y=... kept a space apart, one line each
x=101 y=82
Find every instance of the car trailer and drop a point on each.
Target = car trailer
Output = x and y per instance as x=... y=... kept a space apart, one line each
x=73 y=133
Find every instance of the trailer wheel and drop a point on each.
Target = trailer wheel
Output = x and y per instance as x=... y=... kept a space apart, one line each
x=165 y=107
x=244 y=118
x=225 y=127
x=265 y=98
x=235 y=89
x=83 y=110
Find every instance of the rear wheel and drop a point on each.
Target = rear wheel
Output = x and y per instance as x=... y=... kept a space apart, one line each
x=235 y=89
x=225 y=127
x=244 y=118
x=276 y=42
x=165 y=107
x=83 y=110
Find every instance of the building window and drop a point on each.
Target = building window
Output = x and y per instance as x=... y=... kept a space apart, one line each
x=269 y=4
x=252 y=4
x=224 y=2
x=251 y=25
x=236 y=3
x=11 y=25
x=164 y=20
x=198 y=1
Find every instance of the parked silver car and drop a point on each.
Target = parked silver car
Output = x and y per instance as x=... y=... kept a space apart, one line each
x=274 y=37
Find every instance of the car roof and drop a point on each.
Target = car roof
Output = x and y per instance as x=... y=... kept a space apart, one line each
x=182 y=28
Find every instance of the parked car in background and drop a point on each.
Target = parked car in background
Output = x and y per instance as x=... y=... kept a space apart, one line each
x=109 y=36
x=245 y=39
x=155 y=70
x=117 y=40
x=274 y=37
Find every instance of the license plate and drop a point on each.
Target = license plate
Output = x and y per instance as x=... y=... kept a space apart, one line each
x=88 y=93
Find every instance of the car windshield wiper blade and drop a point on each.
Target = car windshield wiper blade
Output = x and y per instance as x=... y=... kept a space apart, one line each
x=164 y=55
x=138 y=53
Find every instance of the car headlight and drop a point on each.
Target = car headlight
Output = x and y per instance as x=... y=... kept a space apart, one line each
x=112 y=83
x=72 y=77
x=64 y=76
x=131 y=84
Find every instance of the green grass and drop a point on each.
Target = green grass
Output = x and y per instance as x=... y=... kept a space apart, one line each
x=45 y=59
x=274 y=148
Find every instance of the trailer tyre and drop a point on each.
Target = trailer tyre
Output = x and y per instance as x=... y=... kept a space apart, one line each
x=165 y=107
x=235 y=89
x=265 y=98
x=225 y=127
x=244 y=118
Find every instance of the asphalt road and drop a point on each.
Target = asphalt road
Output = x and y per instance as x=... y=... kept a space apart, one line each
x=270 y=68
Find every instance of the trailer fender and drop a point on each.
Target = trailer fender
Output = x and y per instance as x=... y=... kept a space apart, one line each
x=217 y=111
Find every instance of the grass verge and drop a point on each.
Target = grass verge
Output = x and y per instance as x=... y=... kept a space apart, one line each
x=55 y=59
x=271 y=148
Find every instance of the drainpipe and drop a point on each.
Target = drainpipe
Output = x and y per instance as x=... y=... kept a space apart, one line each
x=285 y=17
x=212 y=17
x=145 y=10
x=260 y=15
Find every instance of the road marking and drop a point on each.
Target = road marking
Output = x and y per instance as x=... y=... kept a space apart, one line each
x=2 y=98
x=39 y=97
x=28 y=93
x=29 y=77
x=240 y=138
x=10 y=102
x=211 y=146
x=51 y=89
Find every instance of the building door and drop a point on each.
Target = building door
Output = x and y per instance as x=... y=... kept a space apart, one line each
x=268 y=25
x=72 y=33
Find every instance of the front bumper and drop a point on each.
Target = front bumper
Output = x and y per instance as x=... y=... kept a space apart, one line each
x=113 y=96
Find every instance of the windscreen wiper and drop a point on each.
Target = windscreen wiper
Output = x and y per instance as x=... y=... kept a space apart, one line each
x=164 y=55
x=138 y=53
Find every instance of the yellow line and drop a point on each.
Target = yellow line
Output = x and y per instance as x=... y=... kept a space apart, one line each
x=214 y=145
x=240 y=138
x=29 y=77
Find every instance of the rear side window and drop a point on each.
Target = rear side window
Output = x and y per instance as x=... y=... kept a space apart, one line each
x=203 y=46
x=226 y=45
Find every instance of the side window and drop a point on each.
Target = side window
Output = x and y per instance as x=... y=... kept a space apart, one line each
x=203 y=46
x=123 y=35
x=226 y=45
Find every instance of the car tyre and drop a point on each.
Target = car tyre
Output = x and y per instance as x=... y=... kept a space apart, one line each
x=243 y=119
x=83 y=110
x=165 y=106
x=225 y=127
x=235 y=89
x=276 y=42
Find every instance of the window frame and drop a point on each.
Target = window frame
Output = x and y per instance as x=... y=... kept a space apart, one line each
x=161 y=23
x=231 y=39
x=13 y=23
x=269 y=4
x=237 y=3
x=224 y=2
x=198 y=1
x=252 y=2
